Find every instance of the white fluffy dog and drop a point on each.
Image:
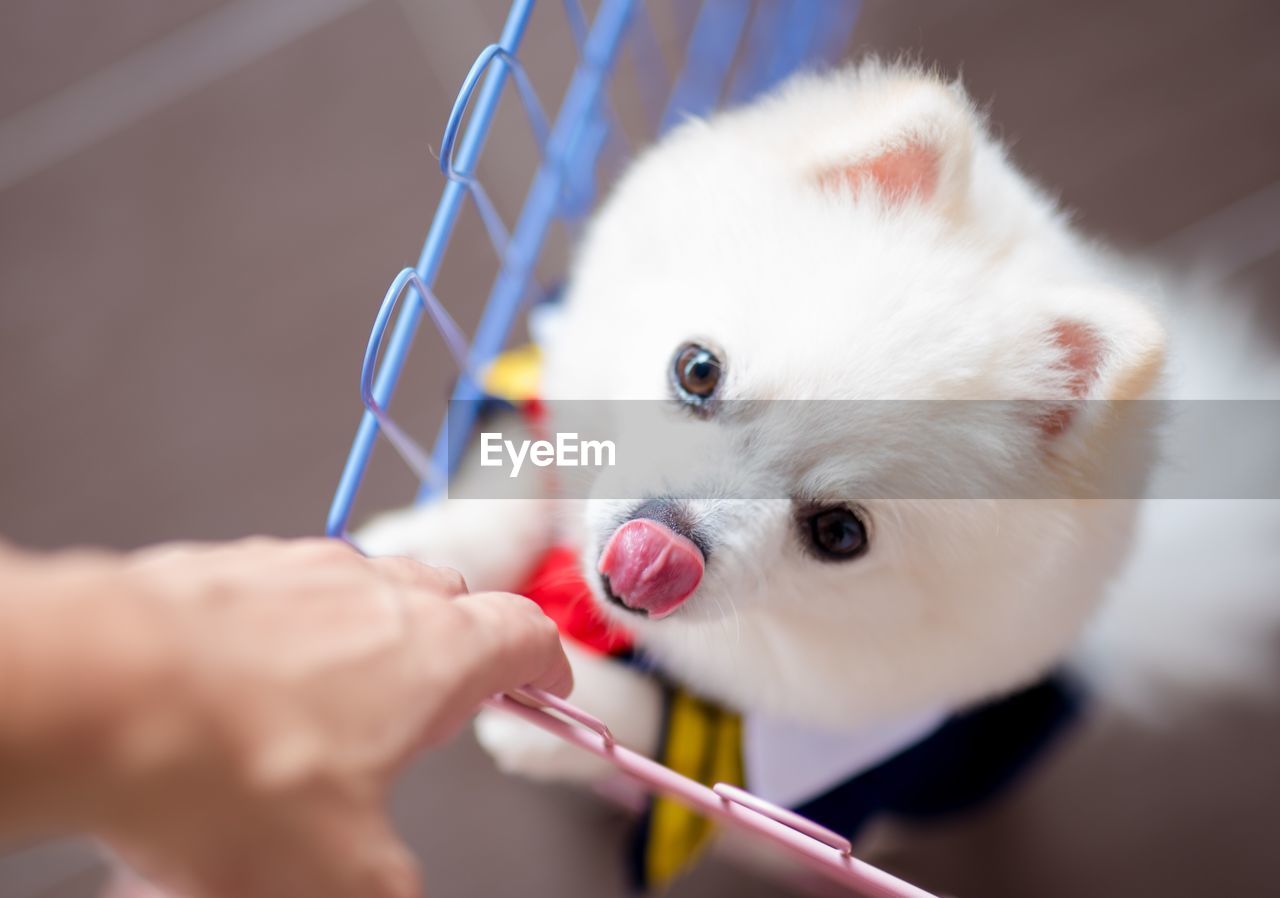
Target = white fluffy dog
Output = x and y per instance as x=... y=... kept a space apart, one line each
x=853 y=237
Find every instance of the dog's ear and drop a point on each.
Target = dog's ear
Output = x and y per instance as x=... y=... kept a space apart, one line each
x=911 y=143
x=1099 y=347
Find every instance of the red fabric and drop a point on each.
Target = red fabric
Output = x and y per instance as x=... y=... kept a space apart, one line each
x=558 y=588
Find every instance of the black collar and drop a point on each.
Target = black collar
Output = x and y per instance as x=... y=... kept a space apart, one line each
x=971 y=758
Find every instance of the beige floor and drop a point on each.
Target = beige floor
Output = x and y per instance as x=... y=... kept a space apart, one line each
x=202 y=201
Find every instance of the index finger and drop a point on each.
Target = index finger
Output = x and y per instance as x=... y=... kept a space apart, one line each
x=521 y=646
x=440 y=581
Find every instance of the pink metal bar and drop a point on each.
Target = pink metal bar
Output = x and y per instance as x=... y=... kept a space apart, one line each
x=782 y=815
x=574 y=713
x=816 y=853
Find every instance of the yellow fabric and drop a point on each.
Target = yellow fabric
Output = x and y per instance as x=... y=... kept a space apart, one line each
x=515 y=375
x=704 y=743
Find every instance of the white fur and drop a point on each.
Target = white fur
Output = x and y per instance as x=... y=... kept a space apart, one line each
x=725 y=232
x=1196 y=612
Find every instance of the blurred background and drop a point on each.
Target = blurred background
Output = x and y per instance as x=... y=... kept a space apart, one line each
x=202 y=202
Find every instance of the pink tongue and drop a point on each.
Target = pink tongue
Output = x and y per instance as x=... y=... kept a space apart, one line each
x=650 y=568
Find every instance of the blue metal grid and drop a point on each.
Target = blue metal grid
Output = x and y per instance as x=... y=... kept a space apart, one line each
x=734 y=50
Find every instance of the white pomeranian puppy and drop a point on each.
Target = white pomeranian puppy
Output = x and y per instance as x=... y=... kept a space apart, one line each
x=848 y=573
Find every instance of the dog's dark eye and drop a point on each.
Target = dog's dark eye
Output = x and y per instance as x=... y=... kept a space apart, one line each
x=696 y=373
x=837 y=533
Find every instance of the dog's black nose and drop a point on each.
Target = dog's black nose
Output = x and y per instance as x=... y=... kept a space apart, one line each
x=676 y=515
x=654 y=559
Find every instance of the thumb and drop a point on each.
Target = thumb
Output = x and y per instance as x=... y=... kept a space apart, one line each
x=398 y=874
x=361 y=858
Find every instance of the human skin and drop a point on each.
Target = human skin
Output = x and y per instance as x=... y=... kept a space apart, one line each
x=228 y=718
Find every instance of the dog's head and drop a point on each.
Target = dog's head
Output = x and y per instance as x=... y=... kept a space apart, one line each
x=813 y=290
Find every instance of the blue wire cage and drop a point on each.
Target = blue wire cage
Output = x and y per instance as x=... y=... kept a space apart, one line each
x=732 y=50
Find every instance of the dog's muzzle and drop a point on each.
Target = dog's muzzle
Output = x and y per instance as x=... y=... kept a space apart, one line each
x=647 y=566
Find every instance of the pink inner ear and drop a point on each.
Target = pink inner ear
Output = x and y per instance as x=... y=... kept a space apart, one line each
x=1082 y=356
x=898 y=174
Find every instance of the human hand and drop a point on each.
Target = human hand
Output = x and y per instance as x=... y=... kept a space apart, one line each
x=298 y=678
